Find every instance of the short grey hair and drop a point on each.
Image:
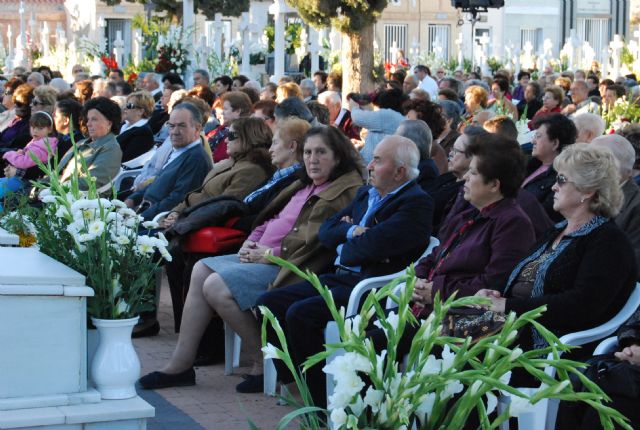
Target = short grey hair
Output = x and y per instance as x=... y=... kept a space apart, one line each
x=308 y=84
x=330 y=98
x=253 y=84
x=477 y=82
x=39 y=77
x=60 y=84
x=622 y=149
x=589 y=122
x=203 y=72
x=419 y=133
x=196 y=115
x=406 y=154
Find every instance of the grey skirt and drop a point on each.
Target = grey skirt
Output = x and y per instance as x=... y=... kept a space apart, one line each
x=246 y=281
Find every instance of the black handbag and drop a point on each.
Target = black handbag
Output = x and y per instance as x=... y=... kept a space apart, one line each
x=614 y=377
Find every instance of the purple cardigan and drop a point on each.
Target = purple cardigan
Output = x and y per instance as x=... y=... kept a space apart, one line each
x=17 y=127
x=487 y=253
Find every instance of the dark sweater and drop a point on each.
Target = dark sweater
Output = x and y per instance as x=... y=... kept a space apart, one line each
x=135 y=141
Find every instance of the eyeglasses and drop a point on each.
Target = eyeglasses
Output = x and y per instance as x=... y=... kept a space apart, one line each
x=561 y=180
x=455 y=151
x=232 y=135
x=131 y=106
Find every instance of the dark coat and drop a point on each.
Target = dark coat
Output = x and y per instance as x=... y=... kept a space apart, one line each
x=629 y=217
x=428 y=173
x=444 y=191
x=184 y=174
x=397 y=234
x=487 y=253
x=587 y=284
x=540 y=187
x=135 y=141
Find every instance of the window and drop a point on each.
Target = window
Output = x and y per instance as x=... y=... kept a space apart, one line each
x=533 y=36
x=394 y=33
x=596 y=32
x=439 y=36
x=124 y=27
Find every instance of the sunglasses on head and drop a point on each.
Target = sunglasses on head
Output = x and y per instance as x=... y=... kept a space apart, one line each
x=131 y=106
x=232 y=135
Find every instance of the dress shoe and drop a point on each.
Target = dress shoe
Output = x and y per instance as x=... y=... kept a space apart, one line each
x=252 y=384
x=146 y=328
x=155 y=380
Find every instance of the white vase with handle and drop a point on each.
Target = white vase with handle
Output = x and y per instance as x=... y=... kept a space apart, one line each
x=115 y=367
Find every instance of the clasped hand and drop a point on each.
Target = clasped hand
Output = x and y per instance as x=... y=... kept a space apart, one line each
x=358 y=231
x=253 y=252
x=422 y=292
x=497 y=301
x=630 y=353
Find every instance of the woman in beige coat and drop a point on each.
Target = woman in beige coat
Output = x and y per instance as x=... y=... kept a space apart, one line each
x=229 y=285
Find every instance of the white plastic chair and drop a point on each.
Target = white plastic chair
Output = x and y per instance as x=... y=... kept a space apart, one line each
x=233 y=341
x=331 y=334
x=543 y=414
x=140 y=160
x=607 y=346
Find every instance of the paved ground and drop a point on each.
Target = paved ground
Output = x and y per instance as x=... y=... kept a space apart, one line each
x=213 y=403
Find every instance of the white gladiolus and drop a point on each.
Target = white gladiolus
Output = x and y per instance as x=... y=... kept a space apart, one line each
x=270 y=352
x=338 y=417
x=492 y=402
x=517 y=352
x=150 y=225
x=47 y=199
x=373 y=398
x=352 y=325
x=423 y=411
x=433 y=366
x=448 y=358
x=451 y=389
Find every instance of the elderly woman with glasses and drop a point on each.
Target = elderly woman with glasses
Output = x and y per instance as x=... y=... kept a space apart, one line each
x=16 y=135
x=551 y=103
x=135 y=136
x=585 y=269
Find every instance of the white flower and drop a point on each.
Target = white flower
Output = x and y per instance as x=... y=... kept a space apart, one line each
x=96 y=227
x=505 y=378
x=270 y=351
x=515 y=354
x=433 y=366
x=426 y=406
x=62 y=212
x=118 y=204
x=357 y=406
x=512 y=335
x=84 y=204
x=127 y=212
x=373 y=398
x=392 y=319
x=162 y=238
x=145 y=245
x=132 y=221
x=122 y=306
x=380 y=363
x=165 y=253
x=352 y=325
x=451 y=388
x=122 y=240
x=85 y=237
x=150 y=225
x=47 y=199
x=338 y=417
x=492 y=402
x=104 y=203
x=448 y=358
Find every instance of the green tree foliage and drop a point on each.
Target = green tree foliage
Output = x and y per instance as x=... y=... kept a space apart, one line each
x=349 y=16
x=207 y=7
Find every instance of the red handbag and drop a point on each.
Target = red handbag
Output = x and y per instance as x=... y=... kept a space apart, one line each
x=214 y=240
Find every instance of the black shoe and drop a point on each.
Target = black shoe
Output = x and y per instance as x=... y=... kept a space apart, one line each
x=208 y=360
x=252 y=384
x=156 y=380
x=146 y=328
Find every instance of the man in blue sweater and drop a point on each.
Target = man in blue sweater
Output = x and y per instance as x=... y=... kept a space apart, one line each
x=184 y=170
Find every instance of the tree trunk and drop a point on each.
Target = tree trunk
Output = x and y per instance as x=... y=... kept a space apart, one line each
x=357 y=62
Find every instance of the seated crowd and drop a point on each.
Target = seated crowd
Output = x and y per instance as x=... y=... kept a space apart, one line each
x=351 y=191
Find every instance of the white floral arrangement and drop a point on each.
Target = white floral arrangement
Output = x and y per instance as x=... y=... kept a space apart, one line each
x=101 y=239
x=444 y=381
x=173 y=50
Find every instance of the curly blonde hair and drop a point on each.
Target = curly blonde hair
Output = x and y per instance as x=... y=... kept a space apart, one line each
x=593 y=169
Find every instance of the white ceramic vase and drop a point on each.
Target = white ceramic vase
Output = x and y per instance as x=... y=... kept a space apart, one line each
x=116 y=367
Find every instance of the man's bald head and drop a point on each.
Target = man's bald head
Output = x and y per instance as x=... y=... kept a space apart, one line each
x=395 y=161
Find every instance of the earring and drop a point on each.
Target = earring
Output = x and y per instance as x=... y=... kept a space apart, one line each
x=582 y=200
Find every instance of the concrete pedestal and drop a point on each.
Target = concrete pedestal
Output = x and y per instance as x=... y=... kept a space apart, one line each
x=43 y=361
